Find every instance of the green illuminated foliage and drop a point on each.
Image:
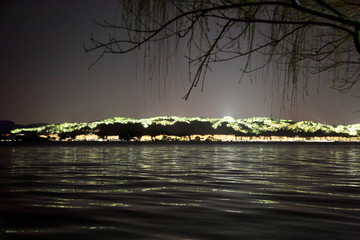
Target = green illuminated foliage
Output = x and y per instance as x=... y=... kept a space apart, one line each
x=249 y=126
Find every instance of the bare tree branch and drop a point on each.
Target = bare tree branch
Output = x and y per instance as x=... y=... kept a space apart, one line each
x=294 y=36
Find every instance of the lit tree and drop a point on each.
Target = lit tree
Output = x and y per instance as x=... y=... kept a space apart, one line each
x=298 y=38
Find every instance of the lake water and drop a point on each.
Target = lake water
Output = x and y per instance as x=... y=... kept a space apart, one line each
x=180 y=191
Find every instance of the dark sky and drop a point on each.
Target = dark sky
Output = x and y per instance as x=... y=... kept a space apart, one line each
x=44 y=75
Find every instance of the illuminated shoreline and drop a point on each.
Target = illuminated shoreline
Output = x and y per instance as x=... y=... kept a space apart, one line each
x=182 y=129
x=209 y=138
x=233 y=138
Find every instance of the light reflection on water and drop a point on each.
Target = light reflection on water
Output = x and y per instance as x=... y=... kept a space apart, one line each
x=179 y=191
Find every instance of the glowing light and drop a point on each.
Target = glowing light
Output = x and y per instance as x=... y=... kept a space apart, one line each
x=256 y=126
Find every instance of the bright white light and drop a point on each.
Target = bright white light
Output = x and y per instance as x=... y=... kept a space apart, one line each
x=228 y=119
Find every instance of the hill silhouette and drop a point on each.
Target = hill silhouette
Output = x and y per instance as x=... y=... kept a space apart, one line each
x=130 y=128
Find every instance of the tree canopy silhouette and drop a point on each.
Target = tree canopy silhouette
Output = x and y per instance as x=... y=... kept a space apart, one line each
x=298 y=38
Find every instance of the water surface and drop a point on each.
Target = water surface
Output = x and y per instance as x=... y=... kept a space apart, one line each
x=180 y=191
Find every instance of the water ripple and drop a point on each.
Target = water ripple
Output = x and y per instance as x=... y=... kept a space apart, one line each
x=258 y=191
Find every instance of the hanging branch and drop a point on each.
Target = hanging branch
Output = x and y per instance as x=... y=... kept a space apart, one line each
x=294 y=36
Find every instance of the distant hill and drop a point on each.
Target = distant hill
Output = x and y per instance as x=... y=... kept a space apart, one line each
x=129 y=128
x=32 y=125
x=6 y=126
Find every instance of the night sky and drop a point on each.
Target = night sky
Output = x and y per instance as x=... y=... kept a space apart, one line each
x=44 y=75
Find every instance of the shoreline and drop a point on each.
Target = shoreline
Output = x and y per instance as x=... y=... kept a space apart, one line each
x=181 y=129
x=114 y=143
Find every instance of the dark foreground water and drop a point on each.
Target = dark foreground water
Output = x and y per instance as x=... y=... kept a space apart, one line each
x=180 y=191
